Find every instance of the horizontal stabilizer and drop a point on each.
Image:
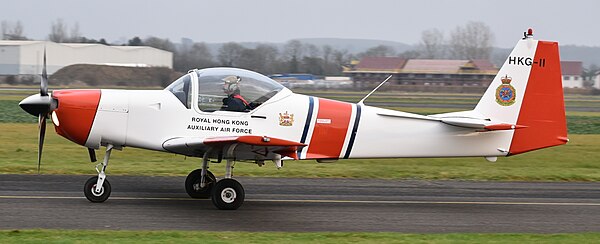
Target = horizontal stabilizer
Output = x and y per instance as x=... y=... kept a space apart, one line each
x=466 y=119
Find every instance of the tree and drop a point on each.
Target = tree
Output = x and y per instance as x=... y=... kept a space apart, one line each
x=330 y=67
x=410 y=54
x=292 y=53
x=432 y=44
x=230 y=53
x=262 y=59
x=473 y=41
x=312 y=51
x=379 y=51
x=58 y=31
x=136 y=41
x=589 y=73
x=312 y=65
x=76 y=36
x=341 y=59
x=12 y=31
x=159 y=43
x=191 y=57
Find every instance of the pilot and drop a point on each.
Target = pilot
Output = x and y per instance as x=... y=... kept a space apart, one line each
x=234 y=101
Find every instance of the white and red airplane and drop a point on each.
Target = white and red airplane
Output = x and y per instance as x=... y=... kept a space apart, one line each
x=521 y=111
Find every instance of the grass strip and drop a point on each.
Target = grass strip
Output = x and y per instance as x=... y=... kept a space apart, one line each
x=110 y=236
x=576 y=161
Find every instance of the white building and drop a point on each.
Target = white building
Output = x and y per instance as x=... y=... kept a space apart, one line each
x=572 y=72
x=596 y=81
x=26 y=57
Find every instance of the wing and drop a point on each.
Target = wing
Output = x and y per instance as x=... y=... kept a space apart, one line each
x=248 y=147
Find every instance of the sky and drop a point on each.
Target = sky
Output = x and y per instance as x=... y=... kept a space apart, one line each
x=573 y=22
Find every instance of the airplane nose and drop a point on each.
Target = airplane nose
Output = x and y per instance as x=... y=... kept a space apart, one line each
x=76 y=111
x=37 y=104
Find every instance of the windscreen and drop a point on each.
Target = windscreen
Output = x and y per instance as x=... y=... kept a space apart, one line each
x=218 y=86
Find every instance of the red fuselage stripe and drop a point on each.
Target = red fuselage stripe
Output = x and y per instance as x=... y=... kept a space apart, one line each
x=331 y=127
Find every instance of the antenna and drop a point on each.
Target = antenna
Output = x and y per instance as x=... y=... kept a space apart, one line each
x=367 y=96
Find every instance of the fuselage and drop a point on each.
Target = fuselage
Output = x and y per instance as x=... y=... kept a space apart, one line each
x=331 y=129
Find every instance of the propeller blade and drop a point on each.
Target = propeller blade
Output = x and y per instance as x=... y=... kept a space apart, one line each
x=42 y=125
x=44 y=80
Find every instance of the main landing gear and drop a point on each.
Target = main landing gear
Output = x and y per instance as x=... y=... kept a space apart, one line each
x=97 y=188
x=226 y=194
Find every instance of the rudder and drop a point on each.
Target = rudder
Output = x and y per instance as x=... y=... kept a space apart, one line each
x=527 y=93
x=543 y=109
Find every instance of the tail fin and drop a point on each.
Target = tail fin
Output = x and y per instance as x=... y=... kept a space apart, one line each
x=527 y=92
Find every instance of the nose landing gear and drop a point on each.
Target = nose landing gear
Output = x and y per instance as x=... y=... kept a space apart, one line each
x=97 y=188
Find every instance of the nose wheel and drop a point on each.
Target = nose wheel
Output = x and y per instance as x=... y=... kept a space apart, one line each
x=97 y=188
x=90 y=192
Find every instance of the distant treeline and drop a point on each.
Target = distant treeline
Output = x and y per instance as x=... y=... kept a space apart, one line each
x=474 y=40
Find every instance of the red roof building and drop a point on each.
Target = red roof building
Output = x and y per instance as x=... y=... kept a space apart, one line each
x=572 y=74
x=422 y=71
x=380 y=64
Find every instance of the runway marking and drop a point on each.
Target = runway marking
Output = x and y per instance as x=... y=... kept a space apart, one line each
x=325 y=201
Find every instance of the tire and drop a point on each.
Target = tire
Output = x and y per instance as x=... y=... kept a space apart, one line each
x=90 y=185
x=228 y=194
x=192 y=184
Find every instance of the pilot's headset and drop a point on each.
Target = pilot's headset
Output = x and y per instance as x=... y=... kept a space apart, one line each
x=231 y=85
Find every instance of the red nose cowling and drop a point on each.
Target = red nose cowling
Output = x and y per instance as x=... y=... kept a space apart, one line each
x=76 y=111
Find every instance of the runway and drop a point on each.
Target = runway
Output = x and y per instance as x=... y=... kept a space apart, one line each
x=299 y=205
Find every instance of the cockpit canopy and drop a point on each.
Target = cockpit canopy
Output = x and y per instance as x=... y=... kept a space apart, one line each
x=214 y=86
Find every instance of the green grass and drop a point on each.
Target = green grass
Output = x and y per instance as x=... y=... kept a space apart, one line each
x=583 y=124
x=90 y=236
x=576 y=161
x=10 y=112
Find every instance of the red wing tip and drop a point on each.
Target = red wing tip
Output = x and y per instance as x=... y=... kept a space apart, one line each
x=564 y=139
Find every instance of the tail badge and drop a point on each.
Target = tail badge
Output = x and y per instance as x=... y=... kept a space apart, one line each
x=505 y=93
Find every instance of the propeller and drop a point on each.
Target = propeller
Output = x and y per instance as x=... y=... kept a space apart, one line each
x=41 y=136
x=40 y=105
x=44 y=80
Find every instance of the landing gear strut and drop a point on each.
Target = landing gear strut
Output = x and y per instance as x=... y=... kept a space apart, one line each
x=198 y=188
x=97 y=188
x=226 y=194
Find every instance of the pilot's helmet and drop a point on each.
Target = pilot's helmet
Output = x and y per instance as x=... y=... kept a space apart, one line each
x=231 y=85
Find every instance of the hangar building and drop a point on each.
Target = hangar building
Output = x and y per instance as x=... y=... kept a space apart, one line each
x=26 y=57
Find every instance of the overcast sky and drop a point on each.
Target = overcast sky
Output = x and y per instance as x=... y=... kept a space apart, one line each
x=569 y=22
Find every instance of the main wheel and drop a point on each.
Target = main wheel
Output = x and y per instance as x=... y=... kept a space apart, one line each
x=228 y=194
x=89 y=190
x=192 y=184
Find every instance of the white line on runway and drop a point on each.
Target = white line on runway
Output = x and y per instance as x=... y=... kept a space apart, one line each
x=325 y=201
